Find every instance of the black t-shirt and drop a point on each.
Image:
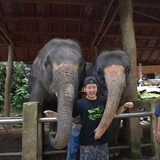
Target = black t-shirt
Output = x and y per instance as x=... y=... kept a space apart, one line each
x=91 y=112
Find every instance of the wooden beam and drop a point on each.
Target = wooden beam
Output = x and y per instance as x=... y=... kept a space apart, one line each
x=83 y=45
x=100 y=27
x=146 y=4
x=146 y=15
x=41 y=19
x=158 y=59
x=136 y=3
x=4 y=38
x=77 y=34
x=109 y=23
x=51 y=33
x=102 y=22
x=150 y=56
x=145 y=24
x=5 y=34
x=80 y=2
x=141 y=55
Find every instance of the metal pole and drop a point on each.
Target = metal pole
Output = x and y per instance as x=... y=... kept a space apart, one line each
x=11 y=154
x=15 y=120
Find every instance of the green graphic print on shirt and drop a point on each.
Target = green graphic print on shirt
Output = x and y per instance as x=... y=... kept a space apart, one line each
x=95 y=113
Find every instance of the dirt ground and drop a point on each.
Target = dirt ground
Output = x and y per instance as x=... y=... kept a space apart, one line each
x=12 y=142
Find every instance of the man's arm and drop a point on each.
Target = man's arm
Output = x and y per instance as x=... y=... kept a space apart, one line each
x=124 y=107
x=50 y=113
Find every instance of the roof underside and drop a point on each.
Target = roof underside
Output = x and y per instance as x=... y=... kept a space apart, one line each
x=95 y=24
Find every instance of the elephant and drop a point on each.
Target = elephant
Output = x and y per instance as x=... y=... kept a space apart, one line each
x=112 y=71
x=55 y=78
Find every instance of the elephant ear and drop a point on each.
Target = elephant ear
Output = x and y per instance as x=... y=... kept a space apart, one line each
x=37 y=70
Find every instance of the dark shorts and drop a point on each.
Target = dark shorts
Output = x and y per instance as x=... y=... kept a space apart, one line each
x=94 y=152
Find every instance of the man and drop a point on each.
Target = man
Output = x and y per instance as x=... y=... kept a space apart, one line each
x=91 y=109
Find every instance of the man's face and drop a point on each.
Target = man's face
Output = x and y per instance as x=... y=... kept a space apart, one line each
x=91 y=90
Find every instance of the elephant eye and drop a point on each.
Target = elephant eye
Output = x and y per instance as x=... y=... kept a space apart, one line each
x=81 y=65
x=101 y=74
x=127 y=69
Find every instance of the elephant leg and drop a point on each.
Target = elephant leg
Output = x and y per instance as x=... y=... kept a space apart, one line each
x=113 y=133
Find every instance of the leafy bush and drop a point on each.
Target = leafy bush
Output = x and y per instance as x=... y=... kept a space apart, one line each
x=19 y=85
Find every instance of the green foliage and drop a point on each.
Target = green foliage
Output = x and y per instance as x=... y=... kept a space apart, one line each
x=19 y=85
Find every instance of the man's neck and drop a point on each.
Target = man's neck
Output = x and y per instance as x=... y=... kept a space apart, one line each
x=91 y=98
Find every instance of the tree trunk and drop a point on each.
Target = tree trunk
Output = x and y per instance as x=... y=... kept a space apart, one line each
x=8 y=84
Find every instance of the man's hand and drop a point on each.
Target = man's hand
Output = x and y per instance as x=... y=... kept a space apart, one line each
x=128 y=105
x=50 y=113
x=158 y=136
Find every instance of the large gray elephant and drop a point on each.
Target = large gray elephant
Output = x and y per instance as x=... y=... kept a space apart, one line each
x=54 y=81
x=112 y=70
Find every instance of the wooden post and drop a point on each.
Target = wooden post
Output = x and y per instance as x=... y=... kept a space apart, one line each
x=32 y=131
x=153 y=129
x=140 y=71
x=8 y=84
x=134 y=133
x=129 y=45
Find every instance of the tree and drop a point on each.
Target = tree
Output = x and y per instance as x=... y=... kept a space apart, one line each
x=19 y=85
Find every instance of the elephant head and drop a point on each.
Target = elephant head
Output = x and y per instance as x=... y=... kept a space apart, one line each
x=112 y=70
x=63 y=68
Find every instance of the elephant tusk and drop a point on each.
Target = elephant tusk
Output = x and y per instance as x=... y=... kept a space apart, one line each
x=53 y=133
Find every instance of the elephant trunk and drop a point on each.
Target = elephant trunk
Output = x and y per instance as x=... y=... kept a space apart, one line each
x=65 y=106
x=115 y=82
x=66 y=85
